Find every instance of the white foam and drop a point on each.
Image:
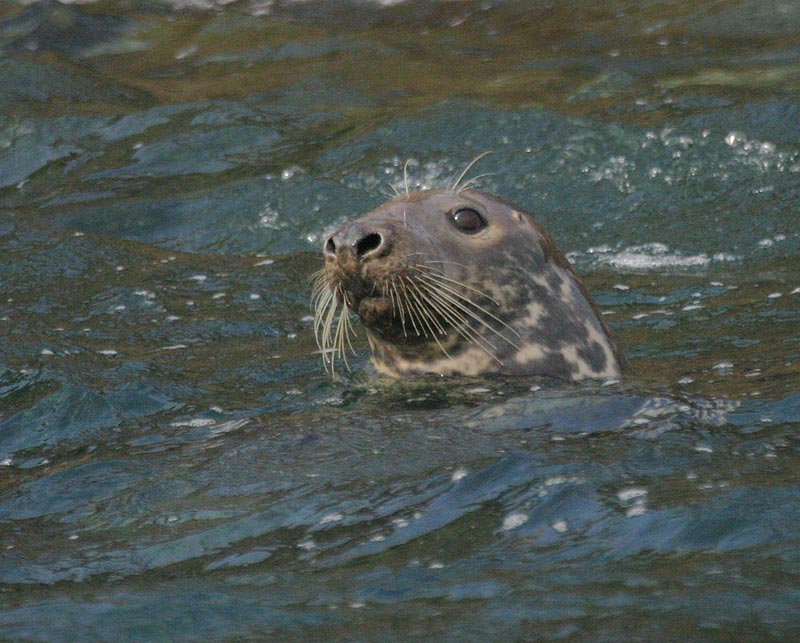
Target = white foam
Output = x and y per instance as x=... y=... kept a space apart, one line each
x=458 y=474
x=514 y=520
x=652 y=256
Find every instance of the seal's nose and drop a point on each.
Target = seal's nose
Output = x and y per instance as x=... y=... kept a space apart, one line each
x=358 y=240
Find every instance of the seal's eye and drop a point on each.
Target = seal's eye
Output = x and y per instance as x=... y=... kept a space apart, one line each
x=468 y=220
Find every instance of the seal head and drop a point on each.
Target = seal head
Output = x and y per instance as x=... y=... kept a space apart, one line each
x=459 y=282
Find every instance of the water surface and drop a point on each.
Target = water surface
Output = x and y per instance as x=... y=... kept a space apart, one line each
x=175 y=465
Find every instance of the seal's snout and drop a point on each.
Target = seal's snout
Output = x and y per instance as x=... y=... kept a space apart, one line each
x=359 y=241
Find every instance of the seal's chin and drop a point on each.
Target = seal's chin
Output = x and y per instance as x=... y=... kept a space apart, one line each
x=375 y=311
x=380 y=316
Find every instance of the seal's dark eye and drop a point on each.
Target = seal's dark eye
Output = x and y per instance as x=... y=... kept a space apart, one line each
x=468 y=220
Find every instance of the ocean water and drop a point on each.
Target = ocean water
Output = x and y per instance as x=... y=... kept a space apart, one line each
x=176 y=465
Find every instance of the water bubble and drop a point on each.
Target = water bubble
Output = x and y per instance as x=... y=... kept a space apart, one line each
x=290 y=172
x=514 y=520
x=735 y=139
x=634 y=499
x=186 y=52
x=630 y=493
x=458 y=474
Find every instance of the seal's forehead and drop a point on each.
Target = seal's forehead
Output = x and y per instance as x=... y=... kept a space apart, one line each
x=446 y=201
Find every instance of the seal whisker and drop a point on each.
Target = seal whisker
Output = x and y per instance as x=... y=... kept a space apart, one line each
x=473 y=181
x=409 y=309
x=343 y=330
x=325 y=341
x=388 y=293
x=321 y=298
x=430 y=272
x=461 y=324
x=400 y=308
x=463 y=304
x=332 y=342
x=348 y=327
x=405 y=174
x=406 y=305
x=423 y=310
x=458 y=322
x=460 y=299
x=454 y=186
x=426 y=316
x=432 y=261
x=321 y=307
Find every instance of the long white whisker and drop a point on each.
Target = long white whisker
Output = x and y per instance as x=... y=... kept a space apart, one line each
x=400 y=308
x=332 y=342
x=454 y=186
x=459 y=301
x=425 y=315
x=430 y=273
x=473 y=181
x=461 y=324
x=410 y=310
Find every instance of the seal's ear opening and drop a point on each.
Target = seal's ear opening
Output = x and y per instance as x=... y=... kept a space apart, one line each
x=468 y=221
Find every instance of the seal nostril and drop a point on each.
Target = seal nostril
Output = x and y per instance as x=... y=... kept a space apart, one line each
x=330 y=247
x=368 y=243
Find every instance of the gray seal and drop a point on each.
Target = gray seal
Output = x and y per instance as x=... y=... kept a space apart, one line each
x=459 y=282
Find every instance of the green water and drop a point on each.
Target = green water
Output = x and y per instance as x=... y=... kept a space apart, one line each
x=175 y=465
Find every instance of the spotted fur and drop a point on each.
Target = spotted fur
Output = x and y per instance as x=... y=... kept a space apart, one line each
x=436 y=299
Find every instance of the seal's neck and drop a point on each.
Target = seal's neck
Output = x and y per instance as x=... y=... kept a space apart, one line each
x=555 y=331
